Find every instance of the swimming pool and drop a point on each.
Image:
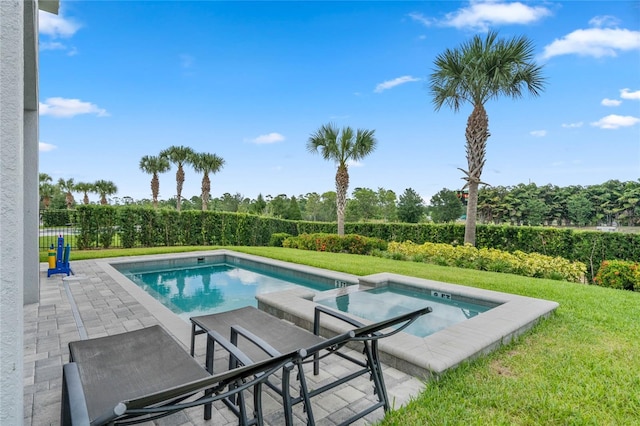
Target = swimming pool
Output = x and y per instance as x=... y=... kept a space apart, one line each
x=200 y=286
x=386 y=302
x=428 y=356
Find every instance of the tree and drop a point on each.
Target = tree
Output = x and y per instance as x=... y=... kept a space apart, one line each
x=153 y=165
x=105 y=188
x=230 y=203
x=67 y=186
x=206 y=163
x=387 y=203
x=279 y=206
x=328 y=208
x=259 y=205
x=178 y=155
x=363 y=205
x=410 y=206
x=85 y=188
x=446 y=206
x=46 y=189
x=293 y=211
x=476 y=72
x=580 y=209
x=342 y=146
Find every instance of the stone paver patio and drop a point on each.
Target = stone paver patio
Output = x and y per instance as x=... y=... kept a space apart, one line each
x=92 y=304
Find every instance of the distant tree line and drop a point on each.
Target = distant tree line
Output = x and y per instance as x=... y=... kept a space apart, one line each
x=523 y=204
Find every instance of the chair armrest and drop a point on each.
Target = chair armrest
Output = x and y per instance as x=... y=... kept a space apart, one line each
x=260 y=343
x=74 y=404
x=324 y=310
x=233 y=350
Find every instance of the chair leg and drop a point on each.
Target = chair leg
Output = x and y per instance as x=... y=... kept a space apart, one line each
x=257 y=405
x=373 y=359
x=304 y=390
x=209 y=358
x=287 y=404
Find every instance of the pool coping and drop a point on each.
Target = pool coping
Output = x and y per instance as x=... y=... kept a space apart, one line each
x=426 y=357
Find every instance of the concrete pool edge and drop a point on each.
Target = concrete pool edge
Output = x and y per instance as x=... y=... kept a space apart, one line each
x=421 y=357
x=180 y=328
x=430 y=356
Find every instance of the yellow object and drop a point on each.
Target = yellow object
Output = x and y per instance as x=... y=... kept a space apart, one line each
x=52 y=259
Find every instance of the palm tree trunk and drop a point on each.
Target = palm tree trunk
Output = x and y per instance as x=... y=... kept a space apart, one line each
x=472 y=214
x=155 y=189
x=206 y=188
x=477 y=133
x=342 y=183
x=179 y=182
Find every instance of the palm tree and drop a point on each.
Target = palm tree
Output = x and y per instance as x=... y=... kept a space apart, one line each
x=105 y=188
x=342 y=146
x=476 y=72
x=154 y=165
x=46 y=189
x=206 y=163
x=85 y=188
x=68 y=187
x=179 y=155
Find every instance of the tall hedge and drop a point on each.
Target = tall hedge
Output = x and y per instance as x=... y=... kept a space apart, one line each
x=141 y=226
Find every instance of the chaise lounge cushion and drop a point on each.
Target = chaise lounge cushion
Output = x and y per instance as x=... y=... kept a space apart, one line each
x=125 y=366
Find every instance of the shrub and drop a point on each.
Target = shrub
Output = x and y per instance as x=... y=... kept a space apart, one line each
x=619 y=274
x=51 y=218
x=278 y=238
x=467 y=256
x=352 y=243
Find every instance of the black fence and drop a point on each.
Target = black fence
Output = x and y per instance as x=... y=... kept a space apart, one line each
x=61 y=223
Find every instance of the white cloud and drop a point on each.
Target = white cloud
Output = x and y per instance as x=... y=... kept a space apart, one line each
x=481 y=15
x=538 y=133
x=611 y=102
x=52 y=45
x=427 y=22
x=66 y=108
x=596 y=42
x=604 y=21
x=395 y=82
x=46 y=147
x=616 y=121
x=56 y=25
x=268 y=138
x=626 y=94
x=352 y=163
x=572 y=125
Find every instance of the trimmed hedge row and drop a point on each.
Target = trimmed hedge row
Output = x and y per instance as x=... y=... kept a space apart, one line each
x=467 y=256
x=142 y=226
x=139 y=226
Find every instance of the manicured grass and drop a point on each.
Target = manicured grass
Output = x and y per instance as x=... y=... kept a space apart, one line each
x=581 y=366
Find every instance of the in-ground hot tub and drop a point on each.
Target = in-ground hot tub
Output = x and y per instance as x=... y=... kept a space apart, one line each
x=384 y=302
x=505 y=317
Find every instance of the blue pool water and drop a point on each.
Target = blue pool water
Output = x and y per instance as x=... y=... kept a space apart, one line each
x=210 y=288
x=389 y=301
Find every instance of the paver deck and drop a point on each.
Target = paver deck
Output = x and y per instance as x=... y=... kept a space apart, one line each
x=92 y=304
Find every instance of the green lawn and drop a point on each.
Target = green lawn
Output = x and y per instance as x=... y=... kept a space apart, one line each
x=581 y=366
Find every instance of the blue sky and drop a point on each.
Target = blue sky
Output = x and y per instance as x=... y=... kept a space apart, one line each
x=250 y=81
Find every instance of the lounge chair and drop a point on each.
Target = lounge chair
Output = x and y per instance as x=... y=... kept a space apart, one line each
x=260 y=336
x=145 y=374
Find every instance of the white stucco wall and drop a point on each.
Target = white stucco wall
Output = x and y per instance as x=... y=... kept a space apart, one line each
x=18 y=185
x=11 y=209
x=31 y=269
